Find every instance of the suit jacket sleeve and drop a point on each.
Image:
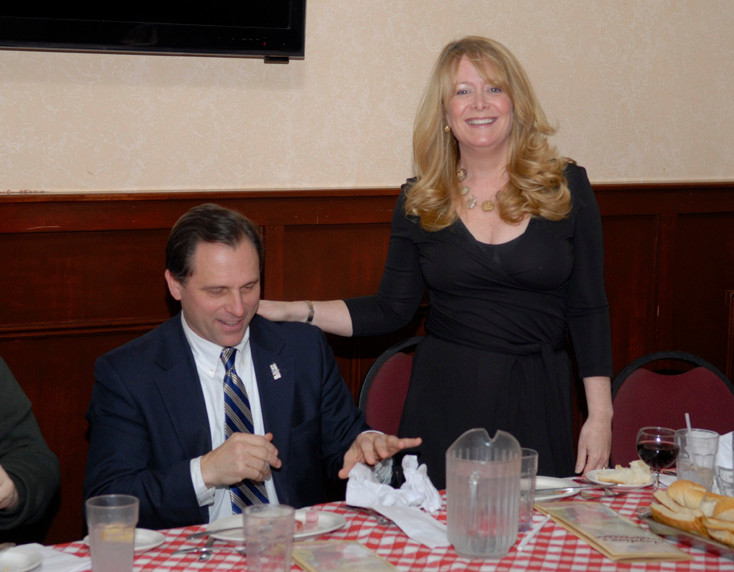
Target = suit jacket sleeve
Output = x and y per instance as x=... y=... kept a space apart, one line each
x=146 y=422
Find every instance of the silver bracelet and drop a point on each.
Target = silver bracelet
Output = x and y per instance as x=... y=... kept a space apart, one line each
x=309 y=319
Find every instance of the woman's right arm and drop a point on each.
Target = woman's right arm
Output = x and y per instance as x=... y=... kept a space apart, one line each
x=401 y=291
x=331 y=316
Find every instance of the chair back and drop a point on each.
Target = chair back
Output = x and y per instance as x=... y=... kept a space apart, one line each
x=642 y=397
x=385 y=386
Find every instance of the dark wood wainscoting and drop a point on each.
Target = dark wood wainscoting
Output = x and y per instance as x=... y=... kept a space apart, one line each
x=83 y=273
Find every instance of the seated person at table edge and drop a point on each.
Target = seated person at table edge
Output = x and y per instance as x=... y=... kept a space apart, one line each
x=159 y=425
x=29 y=471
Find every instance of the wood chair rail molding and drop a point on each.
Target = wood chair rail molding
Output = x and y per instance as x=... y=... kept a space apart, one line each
x=83 y=273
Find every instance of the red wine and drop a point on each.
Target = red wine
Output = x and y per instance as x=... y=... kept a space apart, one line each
x=657 y=455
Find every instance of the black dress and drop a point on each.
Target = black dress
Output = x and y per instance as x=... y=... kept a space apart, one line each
x=495 y=351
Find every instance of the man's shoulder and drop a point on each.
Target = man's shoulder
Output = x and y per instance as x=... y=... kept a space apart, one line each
x=284 y=334
x=147 y=345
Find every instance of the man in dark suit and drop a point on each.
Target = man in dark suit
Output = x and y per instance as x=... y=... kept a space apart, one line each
x=158 y=414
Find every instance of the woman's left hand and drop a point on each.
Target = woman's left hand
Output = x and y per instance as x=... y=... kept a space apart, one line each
x=595 y=440
x=595 y=443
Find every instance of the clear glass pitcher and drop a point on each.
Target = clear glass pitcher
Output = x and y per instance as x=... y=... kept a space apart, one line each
x=482 y=493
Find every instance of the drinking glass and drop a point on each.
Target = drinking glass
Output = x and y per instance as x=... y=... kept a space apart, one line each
x=697 y=455
x=528 y=471
x=269 y=530
x=111 y=520
x=657 y=448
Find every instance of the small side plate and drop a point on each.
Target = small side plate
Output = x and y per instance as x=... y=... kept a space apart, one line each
x=554 y=483
x=19 y=559
x=327 y=522
x=144 y=539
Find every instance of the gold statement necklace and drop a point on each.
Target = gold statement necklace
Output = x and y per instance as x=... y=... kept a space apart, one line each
x=469 y=199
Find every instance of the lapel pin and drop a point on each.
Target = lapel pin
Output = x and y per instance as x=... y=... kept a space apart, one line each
x=275 y=371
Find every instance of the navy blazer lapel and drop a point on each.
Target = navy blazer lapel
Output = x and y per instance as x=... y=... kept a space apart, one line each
x=180 y=389
x=274 y=372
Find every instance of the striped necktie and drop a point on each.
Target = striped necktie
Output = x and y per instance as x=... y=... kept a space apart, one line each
x=238 y=417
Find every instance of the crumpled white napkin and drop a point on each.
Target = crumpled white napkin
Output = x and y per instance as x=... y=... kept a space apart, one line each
x=402 y=506
x=57 y=561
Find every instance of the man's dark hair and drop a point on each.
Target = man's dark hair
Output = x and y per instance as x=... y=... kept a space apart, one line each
x=207 y=223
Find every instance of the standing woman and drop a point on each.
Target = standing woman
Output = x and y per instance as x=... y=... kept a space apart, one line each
x=506 y=236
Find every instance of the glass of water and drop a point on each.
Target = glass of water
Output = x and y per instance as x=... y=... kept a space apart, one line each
x=697 y=455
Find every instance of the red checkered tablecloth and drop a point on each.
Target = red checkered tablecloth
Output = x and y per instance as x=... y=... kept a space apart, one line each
x=553 y=548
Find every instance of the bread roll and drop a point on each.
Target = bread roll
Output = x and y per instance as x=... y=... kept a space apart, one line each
x=687 y=521
x=664 y=499
x=721 y=530
x=687 y=493
x=725 y=536
x=724 y=509
x=688 y=506
x=708 y=505
x=638 y=473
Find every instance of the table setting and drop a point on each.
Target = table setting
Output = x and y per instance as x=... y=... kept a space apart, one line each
x=549 y=546
x=416 y=527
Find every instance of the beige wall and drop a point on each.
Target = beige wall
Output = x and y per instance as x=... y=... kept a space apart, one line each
x=641 y=90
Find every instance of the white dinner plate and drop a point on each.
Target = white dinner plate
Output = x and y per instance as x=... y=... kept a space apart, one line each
x=147 y=539
x=553 y=483
x=593 y=476
x=19 y=559
x=327 y=522
x=144 y=540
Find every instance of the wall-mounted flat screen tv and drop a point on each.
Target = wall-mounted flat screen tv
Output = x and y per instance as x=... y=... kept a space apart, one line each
x=269 y=29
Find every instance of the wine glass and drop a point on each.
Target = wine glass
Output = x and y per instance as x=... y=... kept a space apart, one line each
x=656 y=446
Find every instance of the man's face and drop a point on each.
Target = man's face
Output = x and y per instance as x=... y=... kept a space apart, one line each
x=221 y=295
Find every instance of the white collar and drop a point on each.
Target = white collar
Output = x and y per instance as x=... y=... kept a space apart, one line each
x=207 y=353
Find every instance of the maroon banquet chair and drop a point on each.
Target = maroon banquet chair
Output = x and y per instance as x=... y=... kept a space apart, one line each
x=385 y=386
x=642 y=396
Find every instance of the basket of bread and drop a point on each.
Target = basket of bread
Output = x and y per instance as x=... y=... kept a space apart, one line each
x=691 y=508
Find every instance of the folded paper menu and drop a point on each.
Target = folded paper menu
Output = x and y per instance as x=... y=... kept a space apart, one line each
x=338 y=556
x=615 y=536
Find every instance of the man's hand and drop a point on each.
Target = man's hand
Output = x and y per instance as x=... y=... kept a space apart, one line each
x=372 y=447
x=241 y=456
x=8 y=494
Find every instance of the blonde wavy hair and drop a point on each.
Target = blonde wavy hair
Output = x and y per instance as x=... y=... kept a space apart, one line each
x=536 y=183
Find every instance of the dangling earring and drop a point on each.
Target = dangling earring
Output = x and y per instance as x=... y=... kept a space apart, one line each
x=446 y=129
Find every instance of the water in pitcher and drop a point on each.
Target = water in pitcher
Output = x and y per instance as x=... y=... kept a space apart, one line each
x=482 y=493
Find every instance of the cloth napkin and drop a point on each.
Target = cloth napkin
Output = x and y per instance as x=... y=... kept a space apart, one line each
x=725 y=452
x=724 y=455
x=57 y=561
x=404 y=506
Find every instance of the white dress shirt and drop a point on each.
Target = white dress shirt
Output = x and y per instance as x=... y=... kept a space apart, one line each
x=211 y=372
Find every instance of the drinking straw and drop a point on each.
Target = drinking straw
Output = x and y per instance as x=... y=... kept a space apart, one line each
x=532 y=534
x=688 y=422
